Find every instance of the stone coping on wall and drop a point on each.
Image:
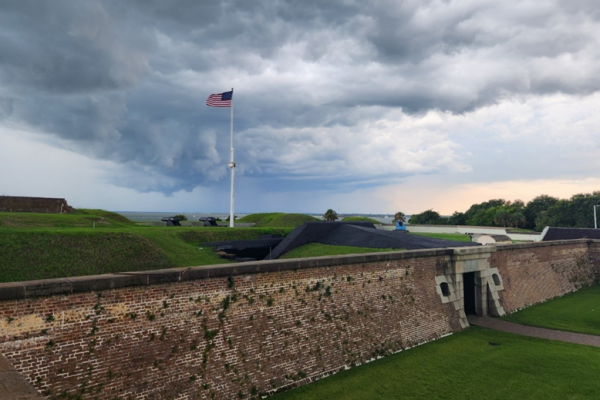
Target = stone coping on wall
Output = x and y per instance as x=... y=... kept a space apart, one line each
x=79 y=284
x=526 y=245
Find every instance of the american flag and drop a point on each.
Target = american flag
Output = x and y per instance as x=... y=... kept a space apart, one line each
x=220 y=100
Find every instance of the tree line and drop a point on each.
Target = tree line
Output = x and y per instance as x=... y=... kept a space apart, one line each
x=544 y=210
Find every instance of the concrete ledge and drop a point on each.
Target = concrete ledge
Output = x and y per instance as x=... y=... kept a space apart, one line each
x=516 y=246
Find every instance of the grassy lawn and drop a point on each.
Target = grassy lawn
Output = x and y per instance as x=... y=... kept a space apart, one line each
x=457 y=237
x=574 y=312
x=318 y=250
x=467 y=366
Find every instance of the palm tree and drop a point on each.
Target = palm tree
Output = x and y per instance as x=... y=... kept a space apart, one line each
x=330 y=215
x=399 y=216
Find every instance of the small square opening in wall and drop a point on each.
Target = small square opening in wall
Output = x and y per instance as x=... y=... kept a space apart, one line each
x=445 y=289
x=496 y=279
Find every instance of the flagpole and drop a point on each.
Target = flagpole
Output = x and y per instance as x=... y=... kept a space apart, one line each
x=232 y=166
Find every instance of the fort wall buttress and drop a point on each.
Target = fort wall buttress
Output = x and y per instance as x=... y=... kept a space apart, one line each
x=225 y=337
x=532 y=273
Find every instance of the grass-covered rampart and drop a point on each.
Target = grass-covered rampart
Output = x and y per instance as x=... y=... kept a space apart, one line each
x=92 y=242
x=277 y=219
x=361 y=219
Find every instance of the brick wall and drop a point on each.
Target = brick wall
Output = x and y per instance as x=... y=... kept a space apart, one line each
x=33 y=204
x=221 y=337
x=532 y=273
x=594 y=252
x=241 y=330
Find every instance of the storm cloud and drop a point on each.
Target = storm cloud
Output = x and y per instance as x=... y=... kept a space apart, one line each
x=338 y=95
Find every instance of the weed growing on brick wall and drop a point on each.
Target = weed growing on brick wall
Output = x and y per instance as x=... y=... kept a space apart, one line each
x=231 y=282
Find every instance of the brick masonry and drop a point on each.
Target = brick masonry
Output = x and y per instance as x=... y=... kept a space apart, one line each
x=240 y=330
x=34 y=204
x=224 y=337
x=532 y=273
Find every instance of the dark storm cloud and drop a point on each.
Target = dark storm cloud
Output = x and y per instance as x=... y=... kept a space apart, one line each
x=127 y=81
x=65 y=46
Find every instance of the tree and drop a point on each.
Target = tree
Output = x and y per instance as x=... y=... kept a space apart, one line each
x=330 y=215
x=517 y=219
x=457 y=218
x=502 y=217
x=537 y=208
x=483 y=214
x=428 y=217
x=181 y=217
x=399 y=216
x=577 y=212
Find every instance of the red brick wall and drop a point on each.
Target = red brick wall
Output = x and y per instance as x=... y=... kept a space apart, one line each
x=594 y=250
x=532 y=273
x=33 y=204
x=224 y=338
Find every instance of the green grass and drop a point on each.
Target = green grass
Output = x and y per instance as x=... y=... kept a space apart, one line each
x=44 y=255
x=79 y=219
x=466 y=366
x=277 y=219
x=43 y=246
x=574 y=312
x=457 y=237
x=360 y=219
x=318 y=250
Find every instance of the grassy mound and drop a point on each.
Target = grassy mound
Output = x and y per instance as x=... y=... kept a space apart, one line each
x=77 y=219
x=360 y=219
x=109 y=215
x=277 y=219
x=44 y=255
x=318 y=250
x=197 y=236
x=93 y=242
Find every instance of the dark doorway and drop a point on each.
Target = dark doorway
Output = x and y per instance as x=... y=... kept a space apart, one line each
x=469 y=293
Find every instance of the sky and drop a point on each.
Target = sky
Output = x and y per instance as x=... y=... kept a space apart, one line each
x=359 y=106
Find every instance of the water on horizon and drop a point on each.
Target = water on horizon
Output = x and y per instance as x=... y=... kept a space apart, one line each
x=155 y=216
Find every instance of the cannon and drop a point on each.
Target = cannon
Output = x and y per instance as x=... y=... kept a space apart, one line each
x=209 y=221
x=171 y=221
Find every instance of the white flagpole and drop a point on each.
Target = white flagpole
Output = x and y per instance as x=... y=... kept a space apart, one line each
x=232 y=166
